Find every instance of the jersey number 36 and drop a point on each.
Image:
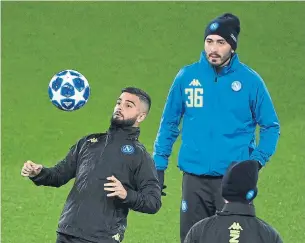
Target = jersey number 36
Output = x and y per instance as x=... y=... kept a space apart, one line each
x=194 y=97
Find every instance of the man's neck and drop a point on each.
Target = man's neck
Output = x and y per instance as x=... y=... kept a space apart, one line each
x=220 y=67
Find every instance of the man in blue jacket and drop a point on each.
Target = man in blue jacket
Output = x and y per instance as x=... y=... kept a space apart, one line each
x=221 y=101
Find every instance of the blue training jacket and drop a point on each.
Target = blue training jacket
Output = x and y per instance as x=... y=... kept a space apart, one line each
x=220 y=113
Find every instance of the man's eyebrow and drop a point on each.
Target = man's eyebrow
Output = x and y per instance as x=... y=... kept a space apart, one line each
x=131 y=102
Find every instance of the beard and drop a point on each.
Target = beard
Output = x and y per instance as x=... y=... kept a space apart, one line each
x=115 y=121
x=223 y=59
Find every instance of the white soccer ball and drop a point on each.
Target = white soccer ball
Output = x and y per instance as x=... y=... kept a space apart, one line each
x=69 y=90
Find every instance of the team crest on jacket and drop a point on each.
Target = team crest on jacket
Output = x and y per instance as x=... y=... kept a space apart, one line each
x=127 y=149
x=236 y=86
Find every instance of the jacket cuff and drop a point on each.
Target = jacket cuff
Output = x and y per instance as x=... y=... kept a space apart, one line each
x=258 y=158
x=36 y=179
x=131 y=198
x=161 y=162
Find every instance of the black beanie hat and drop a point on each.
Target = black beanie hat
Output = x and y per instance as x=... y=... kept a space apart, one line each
x=239 y=184
x=227 y=26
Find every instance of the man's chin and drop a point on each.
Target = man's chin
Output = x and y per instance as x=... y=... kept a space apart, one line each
x=215 y=61
x=120 y=122
x=117 y=120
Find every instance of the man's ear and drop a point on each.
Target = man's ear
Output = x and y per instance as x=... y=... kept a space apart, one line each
x=141 y=117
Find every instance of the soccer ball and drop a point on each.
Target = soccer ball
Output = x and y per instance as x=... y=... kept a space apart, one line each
x=69 y=90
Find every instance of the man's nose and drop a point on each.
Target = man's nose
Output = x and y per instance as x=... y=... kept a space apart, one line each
x=214 y=48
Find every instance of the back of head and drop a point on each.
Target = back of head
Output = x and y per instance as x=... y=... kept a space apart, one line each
x=239 y=184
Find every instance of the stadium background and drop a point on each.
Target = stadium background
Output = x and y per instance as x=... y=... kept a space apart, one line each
x=117 y=44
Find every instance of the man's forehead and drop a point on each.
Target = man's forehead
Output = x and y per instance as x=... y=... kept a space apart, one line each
x=215 y=37
x=127 y=96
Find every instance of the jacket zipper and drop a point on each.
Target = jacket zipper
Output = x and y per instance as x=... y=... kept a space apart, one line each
x=105 y=145
x=211 y=129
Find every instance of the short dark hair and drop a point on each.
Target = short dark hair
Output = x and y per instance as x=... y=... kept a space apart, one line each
x=143 y=96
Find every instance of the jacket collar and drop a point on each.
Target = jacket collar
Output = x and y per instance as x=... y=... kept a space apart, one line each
x=237 y=208
x=231 y=67
x=131 y=133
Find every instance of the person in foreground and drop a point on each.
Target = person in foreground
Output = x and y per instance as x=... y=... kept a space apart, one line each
x=113 y=173
x=221 y=102
x=237 y=221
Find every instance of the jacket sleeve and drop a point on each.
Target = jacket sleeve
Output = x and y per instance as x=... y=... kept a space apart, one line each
x=274 y=235
x=194 y=234
x=191 y=236
x=278 y=239
x=62 y=172
x=170 y=120
x=147 y=196
x=265 y=115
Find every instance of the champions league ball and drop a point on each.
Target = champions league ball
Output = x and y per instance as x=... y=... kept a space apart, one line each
x=69 y=90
